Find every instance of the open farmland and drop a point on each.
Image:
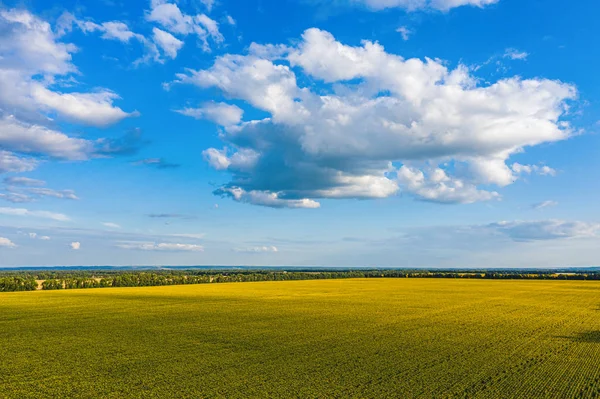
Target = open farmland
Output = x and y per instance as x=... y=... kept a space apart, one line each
x=364 y=338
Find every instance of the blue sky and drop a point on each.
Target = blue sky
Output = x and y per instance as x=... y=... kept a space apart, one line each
x=411 y=133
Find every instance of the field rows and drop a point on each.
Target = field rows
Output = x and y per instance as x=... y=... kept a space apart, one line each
x=358 y=338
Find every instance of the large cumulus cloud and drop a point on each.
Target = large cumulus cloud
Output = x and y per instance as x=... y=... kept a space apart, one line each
x=373 y=124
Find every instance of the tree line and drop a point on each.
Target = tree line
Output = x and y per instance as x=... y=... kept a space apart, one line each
x=58 y=280
x=12 y=284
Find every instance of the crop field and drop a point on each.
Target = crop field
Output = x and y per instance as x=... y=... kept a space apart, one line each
x=355 y=338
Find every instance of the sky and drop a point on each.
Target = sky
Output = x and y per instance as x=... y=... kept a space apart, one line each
x=388 y=133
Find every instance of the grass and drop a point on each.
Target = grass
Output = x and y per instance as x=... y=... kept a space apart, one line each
x=371 y=338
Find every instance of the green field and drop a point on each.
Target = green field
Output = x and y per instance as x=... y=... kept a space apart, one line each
x=362 y=338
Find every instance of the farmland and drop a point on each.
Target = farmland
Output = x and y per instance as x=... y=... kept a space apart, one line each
x=364 y=338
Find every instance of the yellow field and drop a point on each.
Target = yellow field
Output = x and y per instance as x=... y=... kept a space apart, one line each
x=371 y=338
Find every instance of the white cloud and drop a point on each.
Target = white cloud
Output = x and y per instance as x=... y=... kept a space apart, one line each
x=263 y=198
x=169 y=16
x=94 y=109
x=413 y=5
x=112 y=30
x=438 y=187
x=230 y=20
x=75 y=245
x=546 y=171
x=33 y=59
x=211 y=26
x=195 y=236
x=145 y=246
x=23 y=181
x=216 y=158
x=533 y=169
x=32 y=46
x=48 y=192
x=384 y=125
x=546 y=229
x=34 y=236
x=544 y=204
x=64 y=24
x=260 y=82
x=242 y=159
x=404 y=32
x=220 y=113
x=24 y=189
x=169 y=43
x=111 y=225
x=254 y=250
x=118 y=31
x=20 y=137
x=268 y=51
x=33 y=139
x=16 y=198
x=208 y=4
x=6 y=243
x=9 y=162
x=151 y=53
x=37 y=214
x=515 y=54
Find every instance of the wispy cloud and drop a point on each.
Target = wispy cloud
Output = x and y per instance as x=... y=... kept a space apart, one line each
x=544 y=204
x=23 y=181
x=192 y=236
x=10 y=162
x=410 y=5
x=404 y=32
x=35 y=236
x=16 y=198
x=256 y=250
x=546 y=229
x=129 y=144
x=48 y=192
x=159 y=163
x=111 y=225
x=148 y=246
x=515 y=54
x=170 y=17
x=230 y=20
x=24 y=189
x=170 y=216
x=37 y=214
x=219 y=113
x=542 y=170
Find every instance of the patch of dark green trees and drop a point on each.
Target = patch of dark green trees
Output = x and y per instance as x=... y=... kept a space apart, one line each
x=58 y=280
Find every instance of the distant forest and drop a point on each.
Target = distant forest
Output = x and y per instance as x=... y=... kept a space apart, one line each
x=74 y=279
